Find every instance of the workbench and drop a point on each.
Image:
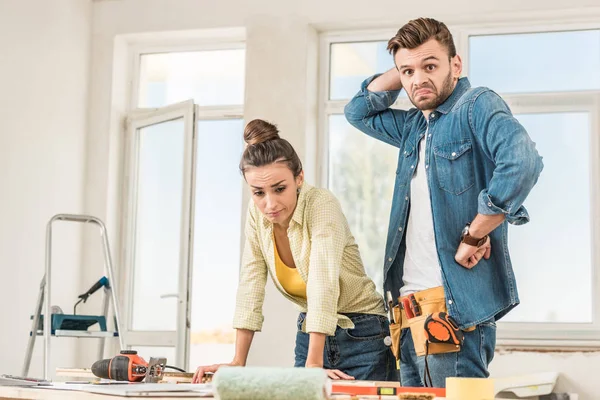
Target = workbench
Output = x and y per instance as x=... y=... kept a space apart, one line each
x=32 y=393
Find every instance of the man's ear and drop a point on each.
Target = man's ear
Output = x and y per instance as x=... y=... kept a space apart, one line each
x=456 y=65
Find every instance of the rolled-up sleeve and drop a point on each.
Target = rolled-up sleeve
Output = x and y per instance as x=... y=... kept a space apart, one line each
x=517 y=162
x=253 y=278
x=370 y=113
x=328 y=238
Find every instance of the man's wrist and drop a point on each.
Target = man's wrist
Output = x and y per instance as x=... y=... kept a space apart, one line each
x=470 y=238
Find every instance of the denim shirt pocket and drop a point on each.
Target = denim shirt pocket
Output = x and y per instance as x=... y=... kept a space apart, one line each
x=403 y=171
x=454 y=166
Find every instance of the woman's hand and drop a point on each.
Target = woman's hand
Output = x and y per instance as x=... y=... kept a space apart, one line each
x=334 y=374
x=200 y=371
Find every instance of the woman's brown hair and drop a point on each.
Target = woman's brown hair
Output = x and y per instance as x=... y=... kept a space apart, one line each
x=266 y=147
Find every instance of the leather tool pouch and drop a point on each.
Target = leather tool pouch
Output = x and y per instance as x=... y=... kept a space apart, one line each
x=396 y=331
x=430 y=301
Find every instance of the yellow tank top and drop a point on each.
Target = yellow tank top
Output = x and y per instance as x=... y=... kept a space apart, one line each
x=289 y=278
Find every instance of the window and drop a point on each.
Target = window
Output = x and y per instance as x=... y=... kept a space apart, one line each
x=554 y=91
x=357 y=169
x=184 y=145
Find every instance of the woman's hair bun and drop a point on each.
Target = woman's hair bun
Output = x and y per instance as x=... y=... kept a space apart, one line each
x=260 y=131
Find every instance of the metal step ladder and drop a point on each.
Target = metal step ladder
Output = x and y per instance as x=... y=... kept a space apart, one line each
x=66 y=325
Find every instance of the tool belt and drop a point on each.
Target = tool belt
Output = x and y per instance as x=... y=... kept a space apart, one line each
x=433 y=331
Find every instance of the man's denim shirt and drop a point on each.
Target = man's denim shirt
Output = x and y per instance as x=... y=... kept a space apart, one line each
x=478 y=159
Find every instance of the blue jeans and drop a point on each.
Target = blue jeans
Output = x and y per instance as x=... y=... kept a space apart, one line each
x=471 y=361
x=359 y=352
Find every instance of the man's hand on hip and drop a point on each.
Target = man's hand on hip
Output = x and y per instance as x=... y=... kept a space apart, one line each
x=468 y=256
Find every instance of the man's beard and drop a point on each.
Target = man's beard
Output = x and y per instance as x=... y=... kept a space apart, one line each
x=447 y=88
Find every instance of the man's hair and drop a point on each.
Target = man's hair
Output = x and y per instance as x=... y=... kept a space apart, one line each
x=418 y=31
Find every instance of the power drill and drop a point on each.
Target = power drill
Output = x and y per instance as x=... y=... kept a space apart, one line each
x=127 y=366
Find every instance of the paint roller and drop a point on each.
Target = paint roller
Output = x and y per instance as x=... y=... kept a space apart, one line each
x=267 y=383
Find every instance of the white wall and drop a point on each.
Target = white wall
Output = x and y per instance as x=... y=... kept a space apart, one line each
x=281 y=42
x=44 y=72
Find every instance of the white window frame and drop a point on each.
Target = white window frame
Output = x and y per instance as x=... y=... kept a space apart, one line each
x=135 y=122
x=168 y=42
x=569 y=336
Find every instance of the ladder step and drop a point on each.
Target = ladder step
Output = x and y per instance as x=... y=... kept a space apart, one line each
x=82 y=334
x=71 y=322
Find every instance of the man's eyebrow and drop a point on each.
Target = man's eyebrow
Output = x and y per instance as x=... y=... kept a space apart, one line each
x=422 y=61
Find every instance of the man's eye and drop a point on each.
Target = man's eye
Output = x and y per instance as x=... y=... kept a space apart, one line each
x=280 y=189
x=259 y=193
x=430 y=67
x=407 y=72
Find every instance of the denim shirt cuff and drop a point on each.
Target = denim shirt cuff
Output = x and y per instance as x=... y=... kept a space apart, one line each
x=487 y=207
x=378 y=101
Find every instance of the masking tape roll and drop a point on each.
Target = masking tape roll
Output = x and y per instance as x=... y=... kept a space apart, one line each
x=469 y=389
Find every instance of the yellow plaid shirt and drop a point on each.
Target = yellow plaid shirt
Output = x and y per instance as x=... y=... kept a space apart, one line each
x=327 y=259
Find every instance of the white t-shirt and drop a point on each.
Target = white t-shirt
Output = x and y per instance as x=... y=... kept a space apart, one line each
x=421 y=265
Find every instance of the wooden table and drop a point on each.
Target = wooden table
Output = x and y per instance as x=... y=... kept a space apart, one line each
x=32 y=393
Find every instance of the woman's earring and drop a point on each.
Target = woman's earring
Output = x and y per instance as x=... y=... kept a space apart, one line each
x=298 y=190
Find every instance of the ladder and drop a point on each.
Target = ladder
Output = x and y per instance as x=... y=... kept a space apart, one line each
x=58 y=324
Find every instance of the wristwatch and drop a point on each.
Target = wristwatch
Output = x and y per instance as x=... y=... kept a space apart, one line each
x=470 y=240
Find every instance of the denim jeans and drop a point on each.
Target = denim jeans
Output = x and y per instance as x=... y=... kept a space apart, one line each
x=471 y=361
x=360 y=352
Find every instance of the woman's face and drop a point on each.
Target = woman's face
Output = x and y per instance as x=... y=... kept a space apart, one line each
x=274 y=191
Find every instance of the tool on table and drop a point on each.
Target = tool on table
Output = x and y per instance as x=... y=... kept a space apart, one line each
x=390 y=302
x=129 y=366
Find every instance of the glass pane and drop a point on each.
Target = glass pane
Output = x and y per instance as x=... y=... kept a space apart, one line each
x=361 y=175
x=552 y=254
x=147 y=352
x=352 y=63
x=158 y=226
x=211 y=78
x=553 y=61
x=217 y=236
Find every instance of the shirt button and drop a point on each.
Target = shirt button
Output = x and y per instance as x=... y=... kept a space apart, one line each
x=453 y=154
x=390 y=259
x=427 y=166
x=412 y=167
x=449 y=301
x=429 y=135
x=406 y=198
x=433 y=115
x=490 y=204
x=400 y=229
x=405 y=152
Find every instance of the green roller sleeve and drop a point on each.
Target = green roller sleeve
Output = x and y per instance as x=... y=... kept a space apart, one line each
x=263 y=383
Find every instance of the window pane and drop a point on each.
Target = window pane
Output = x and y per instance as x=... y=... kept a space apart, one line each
x=211 y=78
x=158 y=226
x=352 y=63
x=547 y=62
x=361 y=175
x=217 y=235
x=552 y=254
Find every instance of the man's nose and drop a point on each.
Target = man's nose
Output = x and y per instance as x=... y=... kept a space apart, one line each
x=418 y=79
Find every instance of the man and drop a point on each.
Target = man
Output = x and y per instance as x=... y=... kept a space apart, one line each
x=465 y=166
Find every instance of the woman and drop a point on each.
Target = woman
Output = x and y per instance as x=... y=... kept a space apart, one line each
x=299 y=235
